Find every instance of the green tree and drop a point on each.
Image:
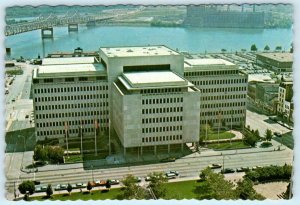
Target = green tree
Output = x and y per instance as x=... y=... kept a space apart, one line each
x=40 y=154
x=69 y=188
x=245 y=190
x=55 y=154
x=107 y=185
x=253 y=47
x=26 y=188
x=131 y=190
x=267 y=48
x=49 y=190
x=256 y=133
x=217 y=187
x=204 y=173
x=157 y=184
x=278 y=48
x=268 y=135
x=89 y=186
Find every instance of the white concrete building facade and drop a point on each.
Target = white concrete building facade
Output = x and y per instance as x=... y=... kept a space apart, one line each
x=223 y=91
x=155 y=108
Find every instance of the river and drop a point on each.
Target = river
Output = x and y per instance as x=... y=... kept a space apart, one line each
x=193 y=40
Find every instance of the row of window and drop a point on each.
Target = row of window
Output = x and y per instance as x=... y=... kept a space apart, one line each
x=218 y=72
x=65 y=98
x=81 y=79
x=70 y=89
x=70 y=114
x=224 y=97
x=72 y=106
x=222 y=105
x=162 y=138
x=218 y=82
x=235 y=119
x=161 y=129
x=62 y=131
x=223 y=112
x=215 y=90
x=101 y=122
x=162 y=110
x=162 y=101
x=162 y=119
x=162 y=90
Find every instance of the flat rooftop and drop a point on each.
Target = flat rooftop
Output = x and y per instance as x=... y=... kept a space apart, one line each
x=152 y=79
x=206 y=61
x=138 y=51
x=281 y=57
x=65 y=61
x=70 y=70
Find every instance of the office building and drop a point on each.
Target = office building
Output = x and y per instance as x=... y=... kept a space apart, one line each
x=223 y=91
x=277 y=62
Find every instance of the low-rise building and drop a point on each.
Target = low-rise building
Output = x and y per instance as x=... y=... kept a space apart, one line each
x=285 y=100
x=277 y=62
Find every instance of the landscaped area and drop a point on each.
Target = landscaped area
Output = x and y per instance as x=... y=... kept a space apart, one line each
x=228 y=145
x=221 y=135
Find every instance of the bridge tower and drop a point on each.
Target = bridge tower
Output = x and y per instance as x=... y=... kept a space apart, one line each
x=47 y=32
x=72 y=27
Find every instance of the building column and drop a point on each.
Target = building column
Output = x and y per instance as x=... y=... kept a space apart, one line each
x=124 y=151
x=168 y=148
x=155 y=150
x=182 y=147
x=141 y=150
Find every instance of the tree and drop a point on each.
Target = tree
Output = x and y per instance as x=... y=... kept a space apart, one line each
x=131 y=190
x=69 y=188
x=107 y=185
x=245 y=190
x=217 y=187
x=267 y=48
x=268 y=135
x=157 y=184
x=26 y=187
x=253 y=47
x=204 y=173
x=89 y=186
x=256 y=133
x=49 y=190
x=40 y=153
x=278 y=48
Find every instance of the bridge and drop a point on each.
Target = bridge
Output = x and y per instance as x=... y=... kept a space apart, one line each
x=46 y=23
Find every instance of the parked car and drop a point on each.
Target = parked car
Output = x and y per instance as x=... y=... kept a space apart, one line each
x=227 y=170
x=113 y=181
x=170 y=175
x=169 y=159
x=138 y=179
x=174 y=172
x=36 y=182
x=215 y=166
x=147 y=179
x=277 y=134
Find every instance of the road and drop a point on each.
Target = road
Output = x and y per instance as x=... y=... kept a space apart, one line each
x=261 y=122
x=18 y=104
x=188 y=167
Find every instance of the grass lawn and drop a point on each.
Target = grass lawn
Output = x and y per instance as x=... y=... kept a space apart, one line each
x=183 y=190
x=94 y=195
x=73 y=158
x=228 y=145
x=222 y=135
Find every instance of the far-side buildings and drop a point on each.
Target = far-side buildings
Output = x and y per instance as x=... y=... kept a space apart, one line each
x=149 y=95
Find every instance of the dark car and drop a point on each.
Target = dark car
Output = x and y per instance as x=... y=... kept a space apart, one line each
x=36 y=182
x=169 y=159
x=215 y=166
x=277 y=134
x=227 y=170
